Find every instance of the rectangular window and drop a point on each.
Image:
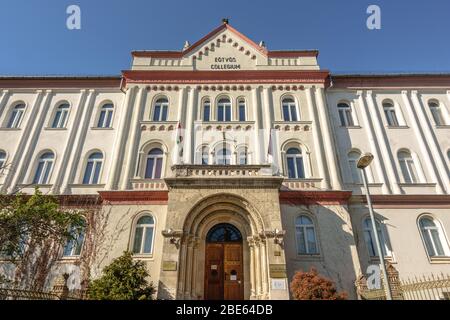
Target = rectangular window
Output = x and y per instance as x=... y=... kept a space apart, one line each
x=286 y=115
x=164 y=114
x=227 y=113
x=220 y=113
x=137 y=239
x=291 y=167
x=88 y=172
x=156 y=113
x=206 y=112
x=293 y=113
x=301 y=245
x=435 y=112
x=158 y=168
x=98 y=166
x=242 y=112
x=301 y=172
x=391 y=117
x=148 y=240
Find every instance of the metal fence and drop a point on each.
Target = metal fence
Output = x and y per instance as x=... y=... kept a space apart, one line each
x=434 y=287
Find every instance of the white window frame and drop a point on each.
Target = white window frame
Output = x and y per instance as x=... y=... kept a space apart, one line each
x=409 y=167
x=390 y=113
x=46 y=164
x=155 y=157
x=436 y=111
x=305 y=236
x=62 y=108
x=241 y=102
x=75 y=245
x=163 y=103
x=95 y=163
x=345 y=113
x=225 y=105
x=354 y=170
x=295 y=156
x=108 y=108
x=442 y=238
x=382 y=236
x=291 y=105
x=144 y=226
x=16 y=116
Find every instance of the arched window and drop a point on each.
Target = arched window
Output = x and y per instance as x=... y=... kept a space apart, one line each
x=44 y=168
x=408 y=167
x=345 y=115
x=391 y=116
x=224 y=110
x=59 y=121
x=241 y=110
x=2 y=159
x=143 y=235
x=223 y=156
x=206 y=110
x=370 y=238
x=160 y=109
x=16 y=116
x=436 y=113
x=353 y=158
x=433 y=236
x=154 y=164
x=224 y=232
x=295 y=166
x=74 y=245
x=289 y=110
x=305 y=234
x=105 y=118
x=93 y=168
x=205 y=155
x=242 y=156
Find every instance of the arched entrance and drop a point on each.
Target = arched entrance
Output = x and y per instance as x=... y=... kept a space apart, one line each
x=224 y=263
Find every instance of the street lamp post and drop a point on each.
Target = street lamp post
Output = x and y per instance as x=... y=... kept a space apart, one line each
x=362 y=164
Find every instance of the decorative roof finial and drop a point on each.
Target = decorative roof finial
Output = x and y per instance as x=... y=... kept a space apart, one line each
x=225 y=20
x=186 y=45
x=262 y=44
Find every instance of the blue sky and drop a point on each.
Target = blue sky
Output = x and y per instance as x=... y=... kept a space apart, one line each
x=414 y=36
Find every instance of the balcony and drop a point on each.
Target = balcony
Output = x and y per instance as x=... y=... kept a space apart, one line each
x=149 y=184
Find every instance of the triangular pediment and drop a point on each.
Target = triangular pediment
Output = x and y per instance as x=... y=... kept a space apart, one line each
x=225 y=49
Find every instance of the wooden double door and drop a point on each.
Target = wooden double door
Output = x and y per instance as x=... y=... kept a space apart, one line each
x=224 y=271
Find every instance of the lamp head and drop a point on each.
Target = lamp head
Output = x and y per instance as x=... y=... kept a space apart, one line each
x=365 y=160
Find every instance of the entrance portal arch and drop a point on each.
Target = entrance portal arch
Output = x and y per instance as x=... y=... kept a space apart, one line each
x=237 y=213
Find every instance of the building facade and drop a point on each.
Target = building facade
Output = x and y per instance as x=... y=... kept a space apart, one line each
x=227 y=167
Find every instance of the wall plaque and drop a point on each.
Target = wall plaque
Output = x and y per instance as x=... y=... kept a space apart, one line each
x=277 y=270
x=278 y=284
x=169 y=266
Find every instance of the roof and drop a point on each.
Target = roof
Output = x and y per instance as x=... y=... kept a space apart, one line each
x=263 y=50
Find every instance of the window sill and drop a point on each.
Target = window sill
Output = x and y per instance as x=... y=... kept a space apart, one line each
x=55 y=129
x=397 y=127
x=308 y=257
x=389 y=259
x=439 y=260
x=158 y=122
x=417 y=184
x=143 y=256
x=445 y=126
x=93 y=186
x=10 y=129
x=97 y=128
x=293 y=122
x=351 y=127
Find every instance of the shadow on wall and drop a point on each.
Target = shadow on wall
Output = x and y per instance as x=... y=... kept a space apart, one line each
x=334 y=239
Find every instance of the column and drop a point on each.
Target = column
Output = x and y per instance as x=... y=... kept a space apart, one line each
x=120 y=138
x=265 y=281
x=251 y=245
x=189 y=268
x=421 y=140
x=77 y=146
x=374 y=146
x=257 y=269
x=189 y=134
x=3 y=99
x=317 y=138
x=267 y=116
x=330 y=151
x=36 y=120
x=193 y=292
x=18 y=152
x=181 y=118
x=133 y=140
x=256 y=145
x=438 y=165
x=387 y=160
x=69 y=144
